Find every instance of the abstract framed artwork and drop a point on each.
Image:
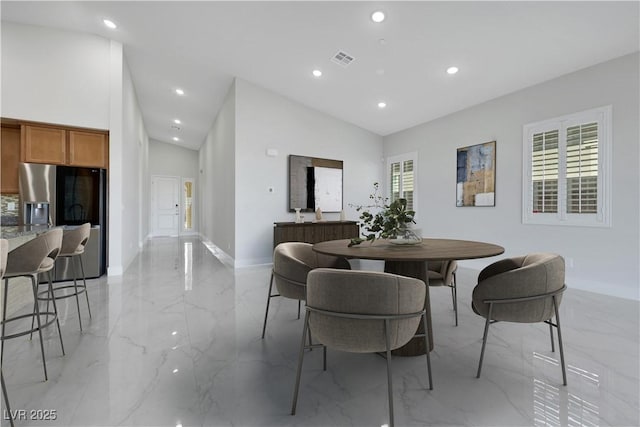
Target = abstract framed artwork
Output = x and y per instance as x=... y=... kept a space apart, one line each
x=476 y=175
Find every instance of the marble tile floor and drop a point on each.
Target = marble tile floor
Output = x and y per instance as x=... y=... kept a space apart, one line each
x=176 y=341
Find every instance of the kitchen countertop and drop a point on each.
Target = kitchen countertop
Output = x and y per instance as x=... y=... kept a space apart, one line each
x=13 y=231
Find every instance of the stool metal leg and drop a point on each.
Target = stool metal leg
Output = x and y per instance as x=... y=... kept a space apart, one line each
x=75 y=289
x=6 y=399
x=4 y=316
x=34 y=284
x=84 y=280
x=55 y=309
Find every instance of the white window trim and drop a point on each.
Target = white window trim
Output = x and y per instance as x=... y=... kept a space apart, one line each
x=602 y=115
x=401 y=158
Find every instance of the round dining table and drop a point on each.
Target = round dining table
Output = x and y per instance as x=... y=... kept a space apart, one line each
x=411 y=261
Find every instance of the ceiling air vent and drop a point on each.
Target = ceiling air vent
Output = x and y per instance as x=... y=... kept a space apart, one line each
x=342 y=58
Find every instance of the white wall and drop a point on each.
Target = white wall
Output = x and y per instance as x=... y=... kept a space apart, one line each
x=267 y=120
x=55 y=76
x=605 y=260
x=172 y=160
x=217 y=178
x=79 y=79
x=134 y=146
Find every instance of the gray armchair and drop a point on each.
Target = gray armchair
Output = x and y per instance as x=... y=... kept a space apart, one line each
x=443 y=273
x=362 y=312
x=524 y=289
x=292 y=262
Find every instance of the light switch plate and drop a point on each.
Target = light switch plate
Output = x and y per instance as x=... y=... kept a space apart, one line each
x=11 y=206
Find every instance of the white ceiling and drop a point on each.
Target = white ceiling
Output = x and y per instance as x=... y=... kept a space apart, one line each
x=201 y=46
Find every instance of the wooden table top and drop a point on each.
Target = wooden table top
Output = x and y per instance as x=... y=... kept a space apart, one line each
x=428 y=250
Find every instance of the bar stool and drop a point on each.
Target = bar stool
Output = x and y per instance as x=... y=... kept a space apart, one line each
x=29 y=260
x=4 y=250
x=73 y=243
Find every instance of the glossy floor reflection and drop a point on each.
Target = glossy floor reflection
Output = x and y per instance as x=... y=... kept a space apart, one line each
x=176 y=341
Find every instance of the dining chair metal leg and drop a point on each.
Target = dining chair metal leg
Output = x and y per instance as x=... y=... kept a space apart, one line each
x=484 y=339
x=428 y=353
x=553 y=349
x=389 y=379
x=266 y=313
x=300 y=360
x=564 y=371
x=299 y=305
x=454 y=292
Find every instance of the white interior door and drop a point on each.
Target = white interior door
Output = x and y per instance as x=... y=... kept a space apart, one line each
x=165 y=205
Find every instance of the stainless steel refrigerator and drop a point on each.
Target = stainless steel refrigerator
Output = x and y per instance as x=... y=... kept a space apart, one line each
x=73 y=196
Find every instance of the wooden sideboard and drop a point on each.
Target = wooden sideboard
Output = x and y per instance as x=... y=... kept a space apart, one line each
x=314 y=232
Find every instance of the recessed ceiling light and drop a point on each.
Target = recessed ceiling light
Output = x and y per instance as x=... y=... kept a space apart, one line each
x=175 y=138
x=452 y=70
x=382 y=104
x=180 y=91
x=316 y=73
x=110 y=24
x=377 y=16
x=177 y=121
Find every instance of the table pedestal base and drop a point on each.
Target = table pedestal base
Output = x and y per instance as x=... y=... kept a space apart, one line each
x=418 y=270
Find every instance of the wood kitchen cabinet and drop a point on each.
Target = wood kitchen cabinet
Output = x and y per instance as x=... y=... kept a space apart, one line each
x=88 y=149
x=44 y=145
x=57 y=145
x=10 y=149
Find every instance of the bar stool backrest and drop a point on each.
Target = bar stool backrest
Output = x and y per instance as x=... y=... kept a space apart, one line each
x=74 y=240
x=28 y=257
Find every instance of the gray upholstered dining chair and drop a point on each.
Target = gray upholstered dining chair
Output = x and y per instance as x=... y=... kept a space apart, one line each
x=29 y=260
x=443 y=273
x=74 y=241
x=362 y=312
x=524 y=289
x=292 y=261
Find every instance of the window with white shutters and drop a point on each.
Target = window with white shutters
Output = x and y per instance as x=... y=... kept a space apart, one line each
x=402 y=178
x=566 y=170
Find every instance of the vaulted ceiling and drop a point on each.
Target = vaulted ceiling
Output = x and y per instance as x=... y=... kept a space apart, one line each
x=200 y=46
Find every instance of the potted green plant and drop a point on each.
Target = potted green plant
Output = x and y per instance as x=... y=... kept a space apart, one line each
x=390 y=222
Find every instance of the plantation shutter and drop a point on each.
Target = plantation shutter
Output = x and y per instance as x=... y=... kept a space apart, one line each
x=395 y=180
x=402 y=181
x=544 y=167
x=582 y=169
